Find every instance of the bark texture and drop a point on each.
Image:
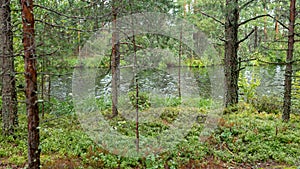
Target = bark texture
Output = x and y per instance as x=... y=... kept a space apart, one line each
x=115 y=62
x=9 y=96
x=31 y=84
x=231 y=49
x=289 y=66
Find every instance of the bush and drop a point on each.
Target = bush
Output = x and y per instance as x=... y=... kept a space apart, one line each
x=268 y=104
x=248 y=86
x=143 y=100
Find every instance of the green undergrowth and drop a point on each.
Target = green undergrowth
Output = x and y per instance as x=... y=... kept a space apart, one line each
x=244 y=136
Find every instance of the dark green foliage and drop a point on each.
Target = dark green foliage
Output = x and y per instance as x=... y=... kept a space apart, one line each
x=143 y=100
x=242 y=137
x=249 y=137
x=268 y=104
x=169 y=114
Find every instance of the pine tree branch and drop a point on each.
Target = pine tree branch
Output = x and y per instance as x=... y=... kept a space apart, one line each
x=246 y=37
x=272 y=63
x=280 y=23
x=72 y=17
x=245 y=5
x=280 y=50
x=59 y=26
x=254 y=18
x=248 y=60
x=214 y=18
x=223 y=40
x=280 y=63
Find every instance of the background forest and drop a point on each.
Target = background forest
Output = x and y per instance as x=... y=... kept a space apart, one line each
x=257 y=41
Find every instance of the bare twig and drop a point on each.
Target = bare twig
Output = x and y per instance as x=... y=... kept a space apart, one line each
x=214 y=18
x=280 y=23
x=49 y=54
x=272 y=63
x=246 y=4
x=248 y=60
x=274 y=49
x=254 y=18
x=64 y=27
x=246 y=37
x=72 y=17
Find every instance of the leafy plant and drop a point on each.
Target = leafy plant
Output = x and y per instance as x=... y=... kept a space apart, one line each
x=143 y=100
x=61 y=107
x=191 y=62
x=247 y=87
x=172 y=101
x=169 y=114
x=296 y=93
x=269 y=104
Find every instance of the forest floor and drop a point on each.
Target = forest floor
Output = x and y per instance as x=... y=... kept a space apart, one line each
x=243 y=139
x=207 y=163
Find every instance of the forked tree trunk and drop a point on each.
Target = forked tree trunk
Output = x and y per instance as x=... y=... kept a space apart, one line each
x=9 y=95
x=289 y=65
x=231 y=48
x=31 y=84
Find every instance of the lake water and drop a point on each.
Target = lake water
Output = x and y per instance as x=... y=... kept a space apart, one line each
x=194 y=81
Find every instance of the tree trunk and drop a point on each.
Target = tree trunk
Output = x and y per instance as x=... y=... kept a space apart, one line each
x=9 y=95
x=49 y=81
x=231 y=48
x=276 y=28
x=289 y=64
x=184 y=8
x=179 y=63
x=31 y=84
x=135 y=71
x=115 y=62
x=255 y=37
x=265 y=22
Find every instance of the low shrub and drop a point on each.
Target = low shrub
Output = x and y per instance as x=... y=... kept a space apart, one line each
x=143 y=100
x=268 y=104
